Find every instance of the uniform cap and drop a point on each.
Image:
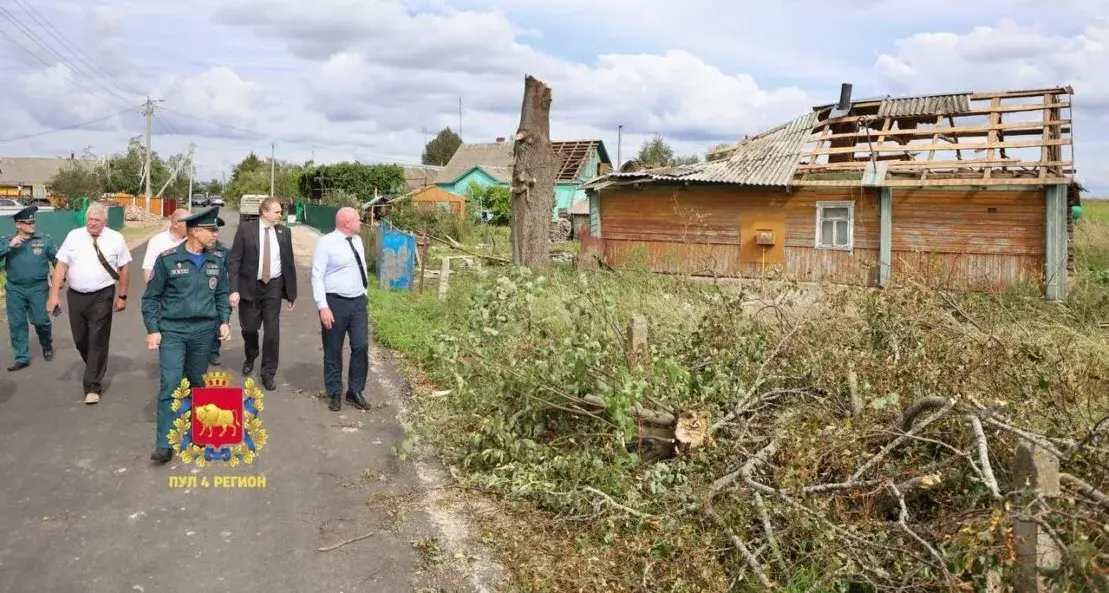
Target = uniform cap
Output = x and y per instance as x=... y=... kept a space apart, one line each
x=203 y=218
x=26 y=215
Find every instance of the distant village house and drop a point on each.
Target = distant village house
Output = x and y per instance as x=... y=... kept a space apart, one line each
x=491 y=164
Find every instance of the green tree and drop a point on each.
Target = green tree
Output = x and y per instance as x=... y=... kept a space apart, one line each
x=441 y=148
x=357 y=179
x=211 y=187
x=125 y=172
x=655 y=152
x=78 y=179
x=497 y=199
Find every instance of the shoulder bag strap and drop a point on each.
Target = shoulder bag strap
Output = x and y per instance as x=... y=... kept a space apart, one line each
x=104 y=261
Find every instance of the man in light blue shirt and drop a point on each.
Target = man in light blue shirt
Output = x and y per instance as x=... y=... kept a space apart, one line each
x=339 y=283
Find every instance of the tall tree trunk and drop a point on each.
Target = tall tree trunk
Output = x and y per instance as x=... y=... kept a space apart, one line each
x=533 y=178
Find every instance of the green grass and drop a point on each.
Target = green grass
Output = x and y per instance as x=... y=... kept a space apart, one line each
x=406 y=321
x=1096 y=210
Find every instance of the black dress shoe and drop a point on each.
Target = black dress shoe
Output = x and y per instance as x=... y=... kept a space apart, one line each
x=214 y=360
x=248 y=366
x=18 y=366
x=268 y=383
x=356 y=400
x=48 y=355
x=335 y=404
x=161 y=456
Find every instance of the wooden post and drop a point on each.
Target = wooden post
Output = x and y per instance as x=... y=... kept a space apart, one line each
x=885 y=235
x=421 y=251
x=444 y=278
x=637 y=340
x=533 y=179
x=1035 y=472
x=1055 y=235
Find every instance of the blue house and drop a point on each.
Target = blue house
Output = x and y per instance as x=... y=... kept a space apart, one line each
x=491 y=164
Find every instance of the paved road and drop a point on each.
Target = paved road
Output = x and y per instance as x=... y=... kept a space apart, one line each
x=83 y=509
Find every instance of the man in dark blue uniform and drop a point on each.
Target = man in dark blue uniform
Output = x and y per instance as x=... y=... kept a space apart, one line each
x=221 y=251
x=184 y=308
x=27 y=257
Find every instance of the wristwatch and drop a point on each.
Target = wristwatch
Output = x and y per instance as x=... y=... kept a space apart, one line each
x=123 y=296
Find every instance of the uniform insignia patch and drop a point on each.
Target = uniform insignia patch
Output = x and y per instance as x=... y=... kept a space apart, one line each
x=212 y=283
x=36 y=250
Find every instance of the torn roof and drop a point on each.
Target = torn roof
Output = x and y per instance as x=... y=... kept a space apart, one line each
x=942 y=139
x=496 y=159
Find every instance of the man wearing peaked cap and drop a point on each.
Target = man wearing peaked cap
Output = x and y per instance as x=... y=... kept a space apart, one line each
x=184 y=308
x=27 y=257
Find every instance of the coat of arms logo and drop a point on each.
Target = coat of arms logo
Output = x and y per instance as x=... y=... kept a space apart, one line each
x=217 y=423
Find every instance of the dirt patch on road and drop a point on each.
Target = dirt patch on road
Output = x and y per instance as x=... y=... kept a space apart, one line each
x=304 y=243
x=137 y=232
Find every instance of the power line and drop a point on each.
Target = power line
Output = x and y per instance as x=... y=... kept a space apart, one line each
x=47 y=65
x=64 y=61
x=74 y=126
x=64 y=41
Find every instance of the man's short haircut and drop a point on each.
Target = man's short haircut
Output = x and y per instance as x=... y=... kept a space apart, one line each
x=267 y=203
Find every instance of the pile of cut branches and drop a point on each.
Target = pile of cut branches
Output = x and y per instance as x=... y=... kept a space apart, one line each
x=870 y=439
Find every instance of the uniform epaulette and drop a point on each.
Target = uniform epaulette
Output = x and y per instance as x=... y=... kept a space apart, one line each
x=168 y=251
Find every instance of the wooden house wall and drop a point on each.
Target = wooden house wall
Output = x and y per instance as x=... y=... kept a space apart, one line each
x=969 y=239
x=949 y=238
x=712 y=231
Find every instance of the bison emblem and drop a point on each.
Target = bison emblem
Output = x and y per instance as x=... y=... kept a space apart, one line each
x=210 y=416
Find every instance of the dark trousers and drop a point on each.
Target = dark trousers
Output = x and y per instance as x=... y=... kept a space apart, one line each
x=90 y=320
x=350 y=318
x=263 y=312
x=28 y=302
x=183 y=353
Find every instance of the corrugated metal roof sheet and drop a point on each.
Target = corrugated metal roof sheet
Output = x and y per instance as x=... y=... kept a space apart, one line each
x=767 y=159
x=933 y=105
x=34 y=170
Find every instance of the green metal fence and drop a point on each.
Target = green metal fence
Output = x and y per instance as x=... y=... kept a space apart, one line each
x=58 y=223
x=321 y=218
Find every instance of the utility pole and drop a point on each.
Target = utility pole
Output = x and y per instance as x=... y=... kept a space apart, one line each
x=272 y=162
x=619 y=144
x=148 y=111
x=460 y=117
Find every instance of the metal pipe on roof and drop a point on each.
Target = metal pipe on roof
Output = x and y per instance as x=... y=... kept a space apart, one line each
x=844 y=97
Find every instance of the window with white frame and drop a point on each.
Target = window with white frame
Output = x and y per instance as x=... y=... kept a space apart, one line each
x=835 y=225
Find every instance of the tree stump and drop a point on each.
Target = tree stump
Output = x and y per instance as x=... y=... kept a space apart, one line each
x=533 y=178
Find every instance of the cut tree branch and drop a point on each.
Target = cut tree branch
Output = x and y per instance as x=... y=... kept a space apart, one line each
x=890 y=447
x=984 y=456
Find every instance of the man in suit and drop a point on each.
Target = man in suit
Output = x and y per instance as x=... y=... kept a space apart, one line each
x=262 y=271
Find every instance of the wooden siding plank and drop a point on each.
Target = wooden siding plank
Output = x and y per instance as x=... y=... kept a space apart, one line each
x=961 y=222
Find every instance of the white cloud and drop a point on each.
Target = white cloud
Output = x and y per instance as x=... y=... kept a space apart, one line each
x=1012 y=56
x=366 y=79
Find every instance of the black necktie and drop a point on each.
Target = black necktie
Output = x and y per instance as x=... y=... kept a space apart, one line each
x=358 y=258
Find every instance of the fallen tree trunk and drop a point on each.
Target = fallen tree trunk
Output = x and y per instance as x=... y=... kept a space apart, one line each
x=533 y=179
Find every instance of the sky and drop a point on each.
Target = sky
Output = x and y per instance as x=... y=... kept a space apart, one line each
x=373 y=80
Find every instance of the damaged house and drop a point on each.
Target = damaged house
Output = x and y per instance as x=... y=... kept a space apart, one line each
x=969 y=191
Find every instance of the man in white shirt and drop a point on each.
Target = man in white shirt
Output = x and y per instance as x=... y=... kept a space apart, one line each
x=171 y=237
x=96 y=264
x=339 y=284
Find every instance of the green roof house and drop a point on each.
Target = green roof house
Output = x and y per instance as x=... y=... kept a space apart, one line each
x=491 y=164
